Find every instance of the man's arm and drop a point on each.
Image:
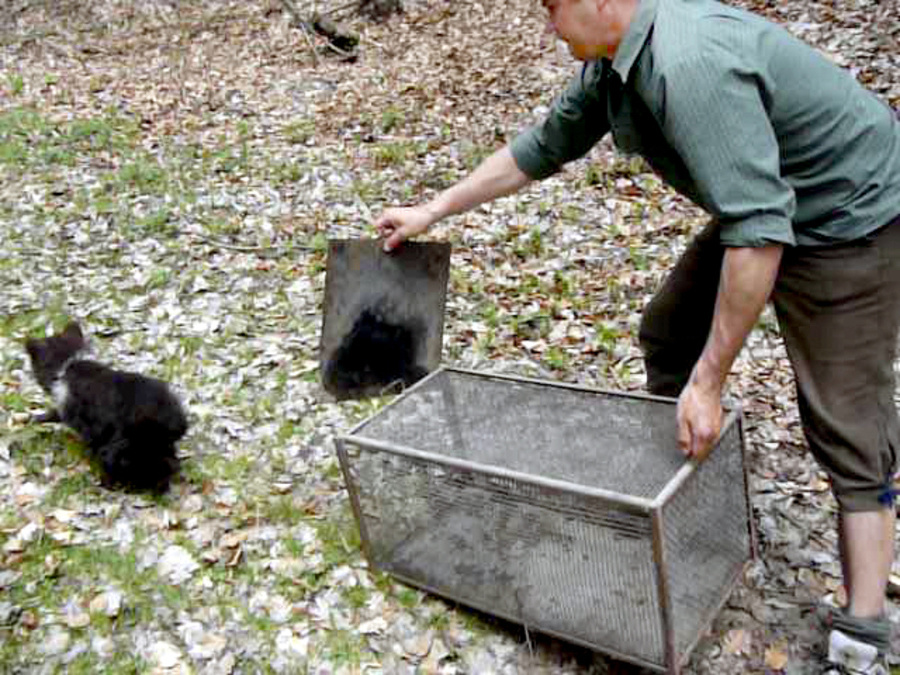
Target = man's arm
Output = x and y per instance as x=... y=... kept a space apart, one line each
x=748 y=276
x=496 y=176
x=577 y=120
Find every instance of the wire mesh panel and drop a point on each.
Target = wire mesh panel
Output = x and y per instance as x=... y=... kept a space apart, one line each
x=613 y=441
x=549 y=505
x=706 y=538
x=518 y=550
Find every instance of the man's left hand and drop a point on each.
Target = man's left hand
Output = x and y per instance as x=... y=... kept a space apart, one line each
x=699 y=419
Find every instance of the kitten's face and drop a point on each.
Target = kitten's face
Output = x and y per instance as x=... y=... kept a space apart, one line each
x=49 y=355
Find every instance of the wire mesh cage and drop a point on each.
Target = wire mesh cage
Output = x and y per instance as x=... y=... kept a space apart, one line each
x=567 y=509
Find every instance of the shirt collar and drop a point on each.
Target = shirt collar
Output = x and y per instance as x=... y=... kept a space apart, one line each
x=635 y=37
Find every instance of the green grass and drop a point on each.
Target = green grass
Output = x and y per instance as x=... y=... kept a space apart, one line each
x=345 y=647
x=72 y=487
x=339 y=538
x=53 y=574
x=486 y=343
x=32 y=322
x=16 y=84
x=604 y=175
x=29 y=140
x=225 y=470
x=408 y=597
x=394 y=153
x=12 y=400
x=285 y=510
x=86 y=663
x=89 y=663
x=490 y=314
x=111 y=147
x=440 y=620
x=531 y=246
x=141 y=175
x=106 y=565
x=356 y=596
x=157 y=222
x=473 y=154
x=286 y=172
x=40 y=445
x=300 y=132
x=532 y=326
x=391 y=118
x=556 y=358
x=475 y=622
x=638 y=258
x=607 y=336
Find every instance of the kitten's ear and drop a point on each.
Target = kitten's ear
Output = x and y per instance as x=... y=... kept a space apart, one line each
x=73 y=330
x=73 y=336
x=31 y=346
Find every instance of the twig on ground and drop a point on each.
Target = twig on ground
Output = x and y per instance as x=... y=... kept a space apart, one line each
x=246 y=248
x=353 y=4
x=304 y=28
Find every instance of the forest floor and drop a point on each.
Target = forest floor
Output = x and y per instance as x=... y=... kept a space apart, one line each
x=171 y=175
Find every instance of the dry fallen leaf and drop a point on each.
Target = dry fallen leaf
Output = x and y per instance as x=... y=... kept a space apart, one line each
x=840 y=596
x=233 y=539
x=737 y=641
x=235 y=558
x=776 y=656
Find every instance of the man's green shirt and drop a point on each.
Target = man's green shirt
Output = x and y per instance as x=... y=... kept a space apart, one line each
x=776 y=142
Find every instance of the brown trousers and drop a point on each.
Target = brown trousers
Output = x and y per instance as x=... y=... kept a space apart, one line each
x=838 y=309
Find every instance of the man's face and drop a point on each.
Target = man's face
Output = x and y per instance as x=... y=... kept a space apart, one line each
x=582 y=25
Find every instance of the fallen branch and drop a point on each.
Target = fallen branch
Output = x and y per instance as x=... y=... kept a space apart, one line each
x=304 y=28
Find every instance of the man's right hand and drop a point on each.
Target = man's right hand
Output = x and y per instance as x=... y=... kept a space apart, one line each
x=496 y=176
x=398 y=224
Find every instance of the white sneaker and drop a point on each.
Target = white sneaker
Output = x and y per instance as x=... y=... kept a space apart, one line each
x=853 y=657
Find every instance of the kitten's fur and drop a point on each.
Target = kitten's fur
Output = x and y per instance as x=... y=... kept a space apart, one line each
x=130 y=422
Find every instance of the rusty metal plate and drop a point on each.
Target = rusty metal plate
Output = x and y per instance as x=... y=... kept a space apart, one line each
x=383 y=315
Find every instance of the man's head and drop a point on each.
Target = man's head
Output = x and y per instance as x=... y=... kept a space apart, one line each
x=593 y=29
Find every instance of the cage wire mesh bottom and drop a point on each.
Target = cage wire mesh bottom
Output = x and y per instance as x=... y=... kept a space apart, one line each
x=566 y=509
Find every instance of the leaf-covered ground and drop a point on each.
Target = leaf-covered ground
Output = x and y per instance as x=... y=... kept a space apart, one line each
x=170 y=174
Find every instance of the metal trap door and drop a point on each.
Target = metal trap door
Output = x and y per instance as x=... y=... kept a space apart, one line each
x=383 y=315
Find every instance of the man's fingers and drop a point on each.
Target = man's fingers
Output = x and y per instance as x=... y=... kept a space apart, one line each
x=384 y=226
x=695 y=441
x=388 y=229
x=684 y=437
x=697 y=446
x=699 y=422
x=703 y=442
x=393 y=241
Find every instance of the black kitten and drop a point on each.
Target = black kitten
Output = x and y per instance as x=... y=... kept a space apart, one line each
x=374 y=355
x=130 y=422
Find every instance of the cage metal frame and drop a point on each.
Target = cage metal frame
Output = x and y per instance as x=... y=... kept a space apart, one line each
x=650 y=508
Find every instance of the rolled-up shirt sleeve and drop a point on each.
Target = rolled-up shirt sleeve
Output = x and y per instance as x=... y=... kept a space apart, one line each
x=576 y=121
x=715 y=119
